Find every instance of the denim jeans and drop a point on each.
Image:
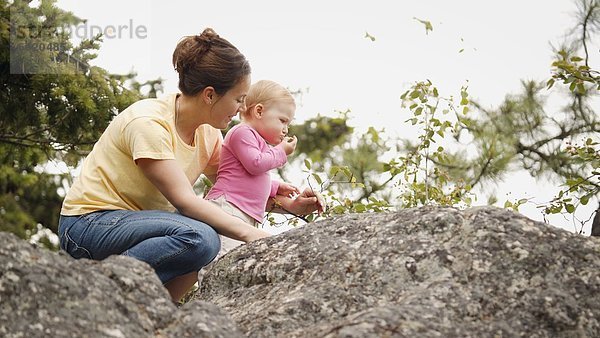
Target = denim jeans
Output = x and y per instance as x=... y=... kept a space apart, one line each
x=171 y=243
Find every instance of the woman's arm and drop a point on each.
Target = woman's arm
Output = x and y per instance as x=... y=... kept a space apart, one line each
x=174 y=185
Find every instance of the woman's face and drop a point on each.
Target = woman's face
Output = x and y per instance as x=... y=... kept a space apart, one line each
x=227 y=106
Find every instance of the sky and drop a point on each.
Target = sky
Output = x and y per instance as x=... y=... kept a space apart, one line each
x=320 y=47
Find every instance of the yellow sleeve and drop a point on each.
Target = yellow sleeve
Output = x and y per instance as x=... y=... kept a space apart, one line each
x=148 y=137
x=213 y=163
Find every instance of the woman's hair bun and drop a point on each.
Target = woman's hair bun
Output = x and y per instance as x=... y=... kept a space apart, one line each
x=208 y=60
x=208 y=36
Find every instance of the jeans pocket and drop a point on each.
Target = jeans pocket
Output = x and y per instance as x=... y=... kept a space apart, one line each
x=71 y=227
x=73 y=249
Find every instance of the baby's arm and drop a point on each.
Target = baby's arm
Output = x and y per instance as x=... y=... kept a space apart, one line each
x=246 y=149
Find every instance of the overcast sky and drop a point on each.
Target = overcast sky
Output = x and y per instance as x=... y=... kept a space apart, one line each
x=320 y=47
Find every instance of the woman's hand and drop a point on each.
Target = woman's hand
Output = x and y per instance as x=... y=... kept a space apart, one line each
x=306 y=203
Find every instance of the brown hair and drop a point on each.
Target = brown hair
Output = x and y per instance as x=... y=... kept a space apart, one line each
x=208 y=60
x=266 y=92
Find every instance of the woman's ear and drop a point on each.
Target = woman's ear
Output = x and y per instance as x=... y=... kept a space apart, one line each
x=209 y=95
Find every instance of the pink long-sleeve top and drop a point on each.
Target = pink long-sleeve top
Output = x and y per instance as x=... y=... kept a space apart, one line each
x=243 y=176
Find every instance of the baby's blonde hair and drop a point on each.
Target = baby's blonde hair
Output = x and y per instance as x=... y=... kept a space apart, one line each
x=266 y=92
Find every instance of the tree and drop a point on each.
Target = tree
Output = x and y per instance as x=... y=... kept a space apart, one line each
x=488 y=142
x=53 y=107
x=520 y=133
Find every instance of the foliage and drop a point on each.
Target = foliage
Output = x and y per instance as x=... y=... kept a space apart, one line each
x=427 y=24
x=318 y=136
x=423 y=182
x=350 y=178
x=579 y=190
x=571 y=71
x=54 y=110
x=520 y=133
x=584 y=84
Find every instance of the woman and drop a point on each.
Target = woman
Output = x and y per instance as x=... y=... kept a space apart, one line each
x=144 y=165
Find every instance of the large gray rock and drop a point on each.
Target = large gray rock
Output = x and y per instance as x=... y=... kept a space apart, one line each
x=44 y=294
x=429 y=272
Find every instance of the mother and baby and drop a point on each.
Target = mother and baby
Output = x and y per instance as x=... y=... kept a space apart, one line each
x=135 y=194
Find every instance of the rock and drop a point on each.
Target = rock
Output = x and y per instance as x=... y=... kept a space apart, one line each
x=45 y=294
x=427 y=272
x=202 y=319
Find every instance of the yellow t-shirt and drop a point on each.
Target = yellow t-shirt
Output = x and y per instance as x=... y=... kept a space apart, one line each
x=110 y=178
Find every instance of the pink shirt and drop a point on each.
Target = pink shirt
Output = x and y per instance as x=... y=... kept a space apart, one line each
x=243 y=176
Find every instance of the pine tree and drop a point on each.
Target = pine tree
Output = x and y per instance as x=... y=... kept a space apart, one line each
x=53 y=107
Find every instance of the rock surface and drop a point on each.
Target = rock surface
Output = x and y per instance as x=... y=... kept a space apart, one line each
x=44 y=294
x=428 y=272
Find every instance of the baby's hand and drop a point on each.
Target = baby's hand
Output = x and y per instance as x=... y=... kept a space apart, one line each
x=287 y=189
x=289 y=144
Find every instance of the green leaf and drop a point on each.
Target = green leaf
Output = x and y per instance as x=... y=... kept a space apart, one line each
x=585 y=199
x=338 y=209
x=347 y=172
x=573 y=181
x=428 y=25
x=369 y=36
x=359 y=207
x=335 y=169
x=570 y=208
x=317 y=178
x=307 y=164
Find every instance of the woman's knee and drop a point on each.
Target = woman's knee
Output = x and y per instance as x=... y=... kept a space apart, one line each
x=203 y=245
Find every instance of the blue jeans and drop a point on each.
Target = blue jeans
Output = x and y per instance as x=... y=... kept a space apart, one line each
x=171 y=243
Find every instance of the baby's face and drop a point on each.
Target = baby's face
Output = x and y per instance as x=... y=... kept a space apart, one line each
x=274 y=122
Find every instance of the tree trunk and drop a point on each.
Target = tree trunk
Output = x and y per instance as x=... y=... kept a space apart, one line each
x=596 y=223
